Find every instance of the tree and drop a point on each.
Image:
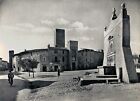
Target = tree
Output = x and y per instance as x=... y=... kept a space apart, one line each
x=29 y=65
x=33 y=64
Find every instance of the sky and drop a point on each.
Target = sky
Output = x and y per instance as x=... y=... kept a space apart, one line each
x=31 y=24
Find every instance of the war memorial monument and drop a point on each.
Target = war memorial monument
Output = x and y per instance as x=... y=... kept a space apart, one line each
x=118 y=59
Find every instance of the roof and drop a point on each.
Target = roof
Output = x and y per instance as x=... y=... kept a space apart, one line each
x=37 y=50
x=29 y=51
x=60 y=48
x=86 y=50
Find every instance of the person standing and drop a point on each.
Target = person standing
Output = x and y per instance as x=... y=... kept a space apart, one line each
x=10 y=77
x=58 y=71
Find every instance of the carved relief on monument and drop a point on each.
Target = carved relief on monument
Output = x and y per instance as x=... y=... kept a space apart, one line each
x=111 y=52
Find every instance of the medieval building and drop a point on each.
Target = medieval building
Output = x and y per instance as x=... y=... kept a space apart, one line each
x=137 y=61
x=59 y=56
x=89 y=59
x=3 y=65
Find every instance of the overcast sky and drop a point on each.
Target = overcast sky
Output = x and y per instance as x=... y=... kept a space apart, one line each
x=30 y=24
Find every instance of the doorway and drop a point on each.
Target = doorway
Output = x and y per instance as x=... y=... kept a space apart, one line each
x=55 y=68
x=44 y=69
x=73 y=66
x=120 y=74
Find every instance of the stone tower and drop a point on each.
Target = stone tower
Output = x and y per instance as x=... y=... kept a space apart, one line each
x=117 y=50
x=60 y=38
x=11 y=54
x=73 y=54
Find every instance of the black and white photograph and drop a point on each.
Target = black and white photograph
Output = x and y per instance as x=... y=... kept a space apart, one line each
x=69 y=50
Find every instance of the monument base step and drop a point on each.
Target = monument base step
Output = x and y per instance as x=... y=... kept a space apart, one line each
x=87 y=81
x=106 y=76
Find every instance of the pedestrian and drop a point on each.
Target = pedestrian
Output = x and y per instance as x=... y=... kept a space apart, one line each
x=58 y=71
x=10 y=77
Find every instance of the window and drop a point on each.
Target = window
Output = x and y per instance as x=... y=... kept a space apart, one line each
x=63 y=51
x=63 y=59
x=44 y=59
x=55 y=59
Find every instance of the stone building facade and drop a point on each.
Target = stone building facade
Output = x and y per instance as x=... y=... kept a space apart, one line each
x=49 y=59
x=37 y=54
x=73 y=54
x=137 y=61
x=58 y=57
x=3 y=65
x=89 y=59
x=52 y=58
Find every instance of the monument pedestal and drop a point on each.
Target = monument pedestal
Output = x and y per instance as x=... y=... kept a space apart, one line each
x=107 y=70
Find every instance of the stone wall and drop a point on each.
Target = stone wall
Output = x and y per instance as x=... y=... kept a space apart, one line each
x=3 y=65
x=46 y=58
x=41 y=55
x=89 y=59
x=58 y=57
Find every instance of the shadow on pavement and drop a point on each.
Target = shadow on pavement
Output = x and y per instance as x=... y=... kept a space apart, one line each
x=39 y=84
x=45 y=76
x=9 y=93
x=18 y=73
x=3 y=72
